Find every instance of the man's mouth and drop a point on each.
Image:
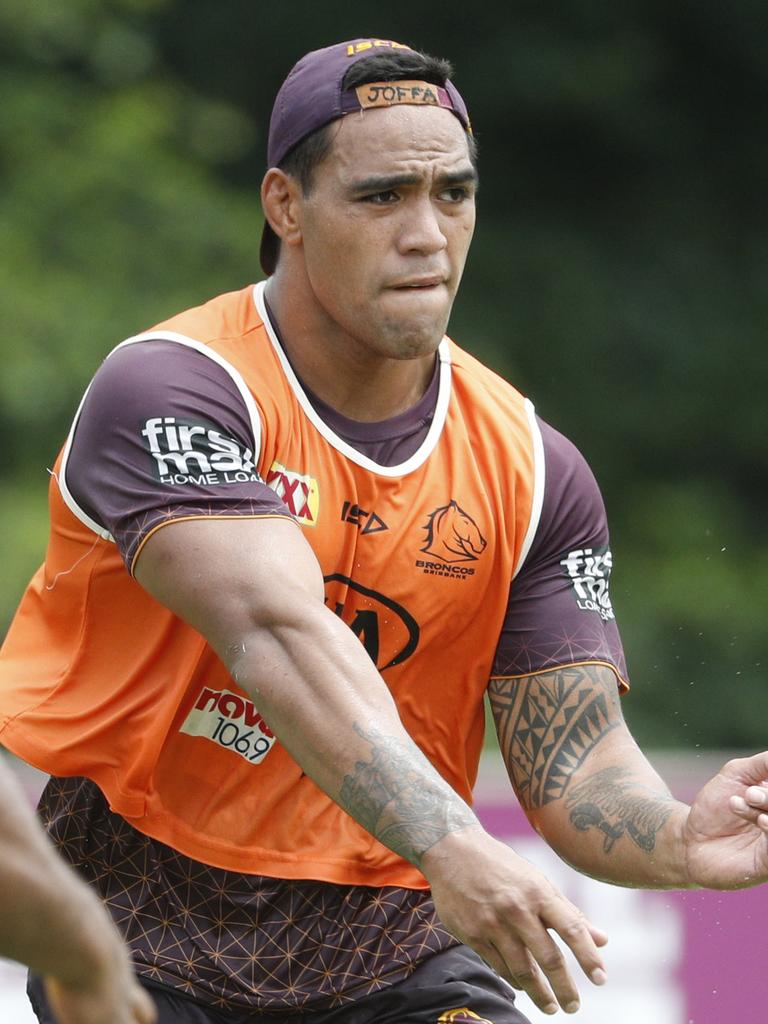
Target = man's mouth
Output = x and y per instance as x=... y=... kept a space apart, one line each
x=430 y=281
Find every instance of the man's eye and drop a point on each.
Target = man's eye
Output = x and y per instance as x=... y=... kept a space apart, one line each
x=454 y=195
x=381 y=198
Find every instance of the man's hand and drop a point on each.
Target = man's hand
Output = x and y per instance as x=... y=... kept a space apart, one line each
x=110 y=995
x=726 y=833
x=504 y=907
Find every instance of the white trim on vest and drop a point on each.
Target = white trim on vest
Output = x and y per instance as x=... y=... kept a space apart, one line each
x=179 y=339
x=539 y=479
x=424 y=450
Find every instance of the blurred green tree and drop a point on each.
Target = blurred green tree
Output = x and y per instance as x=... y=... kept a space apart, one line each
x=617 y=275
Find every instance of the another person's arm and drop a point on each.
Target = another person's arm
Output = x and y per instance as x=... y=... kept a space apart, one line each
x=52 y=922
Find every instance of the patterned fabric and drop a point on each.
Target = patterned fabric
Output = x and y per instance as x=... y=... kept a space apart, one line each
x=452 y=987
x=239 y=941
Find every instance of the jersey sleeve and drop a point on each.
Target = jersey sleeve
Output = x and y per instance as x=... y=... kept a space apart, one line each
x=164 y=433
x=559 y=611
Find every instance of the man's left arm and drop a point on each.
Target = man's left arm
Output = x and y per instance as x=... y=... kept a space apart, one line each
x=558 y=671
x=592 y=794
x=581 y=779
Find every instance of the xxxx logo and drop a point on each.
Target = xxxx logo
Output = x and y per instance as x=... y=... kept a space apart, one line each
x=452 y=535
x=299 y=492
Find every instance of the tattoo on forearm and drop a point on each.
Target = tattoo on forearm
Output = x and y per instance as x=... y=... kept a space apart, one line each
x=548 y=724
x=610 y=801
x=399 y=798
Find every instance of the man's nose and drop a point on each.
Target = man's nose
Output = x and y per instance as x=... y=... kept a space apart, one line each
x=421 y=229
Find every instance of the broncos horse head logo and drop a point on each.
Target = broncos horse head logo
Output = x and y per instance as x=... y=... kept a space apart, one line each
x=452 y=535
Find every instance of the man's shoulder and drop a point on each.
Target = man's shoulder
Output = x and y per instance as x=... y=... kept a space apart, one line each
x=228 y=315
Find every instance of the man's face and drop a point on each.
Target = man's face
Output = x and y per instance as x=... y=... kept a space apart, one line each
x=386 y=228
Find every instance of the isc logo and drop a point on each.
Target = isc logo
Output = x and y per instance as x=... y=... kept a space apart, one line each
x=365 y=521
x=368 y=44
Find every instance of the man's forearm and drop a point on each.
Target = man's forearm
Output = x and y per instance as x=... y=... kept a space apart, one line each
x=398 y=797
x=616 y=824
x=583 y=781
x=306 y=671
x=329 y=707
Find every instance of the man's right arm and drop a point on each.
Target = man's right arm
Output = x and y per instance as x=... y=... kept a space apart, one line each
x=329 y=707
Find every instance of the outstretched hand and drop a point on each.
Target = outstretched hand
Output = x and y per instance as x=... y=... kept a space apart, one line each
x=504 y=908
x=726 y=834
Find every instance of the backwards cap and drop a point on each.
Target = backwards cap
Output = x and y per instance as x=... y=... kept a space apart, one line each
x=313 y=95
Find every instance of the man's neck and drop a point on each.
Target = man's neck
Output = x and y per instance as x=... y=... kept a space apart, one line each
x=362 y=386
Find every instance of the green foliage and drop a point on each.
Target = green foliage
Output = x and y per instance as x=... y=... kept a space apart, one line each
x=617 y=275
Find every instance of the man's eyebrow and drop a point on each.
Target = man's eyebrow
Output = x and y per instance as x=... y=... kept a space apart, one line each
x=388 y=182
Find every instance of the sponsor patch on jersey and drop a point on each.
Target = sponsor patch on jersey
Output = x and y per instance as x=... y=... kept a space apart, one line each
x=188 y=453
x=299 y=492
x=452 y=537
x=589 y=570
x=386 y=629
x=231 y=721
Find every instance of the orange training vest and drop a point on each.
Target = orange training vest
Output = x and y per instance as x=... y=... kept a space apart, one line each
x=98 y=679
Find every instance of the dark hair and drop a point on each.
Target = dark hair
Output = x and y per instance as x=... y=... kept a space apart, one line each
x=301 y=161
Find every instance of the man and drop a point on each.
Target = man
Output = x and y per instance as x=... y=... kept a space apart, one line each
x=295 y=531
x=50 y=920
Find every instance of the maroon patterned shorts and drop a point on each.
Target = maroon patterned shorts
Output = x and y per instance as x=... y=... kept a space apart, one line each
x=453 y=987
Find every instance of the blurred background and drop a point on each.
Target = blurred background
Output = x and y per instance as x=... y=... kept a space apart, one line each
x=618 y=277
x=618 y=274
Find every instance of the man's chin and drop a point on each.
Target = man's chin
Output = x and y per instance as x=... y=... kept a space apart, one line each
x=412 y=341
x=408 y=337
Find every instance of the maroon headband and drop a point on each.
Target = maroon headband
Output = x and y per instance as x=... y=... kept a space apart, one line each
x=313 y=95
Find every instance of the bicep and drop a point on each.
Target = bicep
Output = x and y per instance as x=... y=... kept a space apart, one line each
x=550 y=723
x=226 y=576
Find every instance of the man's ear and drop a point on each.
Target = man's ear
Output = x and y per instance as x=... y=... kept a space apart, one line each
x=280 y=201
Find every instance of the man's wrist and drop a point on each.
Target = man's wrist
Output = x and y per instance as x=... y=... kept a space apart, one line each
x=671 y=855
x=442 y=855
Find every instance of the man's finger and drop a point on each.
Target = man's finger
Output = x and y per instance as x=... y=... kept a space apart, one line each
x=757 y=796
x=576 y=932
x=521 y=970
x=551 y=961
x=747 y=812
x=749 y=770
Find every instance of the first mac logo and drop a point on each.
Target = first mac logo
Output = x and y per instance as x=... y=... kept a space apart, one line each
x=197 y=453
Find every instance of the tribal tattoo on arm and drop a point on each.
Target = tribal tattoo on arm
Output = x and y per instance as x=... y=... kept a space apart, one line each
x=616 y=805
x=400 y=799
x=548 y=725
